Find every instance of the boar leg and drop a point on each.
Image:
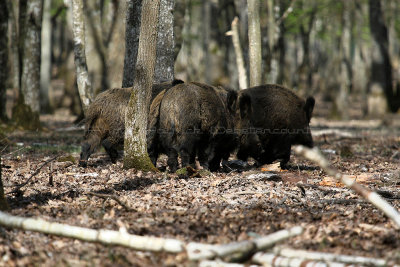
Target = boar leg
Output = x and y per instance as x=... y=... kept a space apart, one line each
x=284 y=154
x=187 y=156
x=110 y=149
x=215 y=162
x=172 y=160
x=203 y=158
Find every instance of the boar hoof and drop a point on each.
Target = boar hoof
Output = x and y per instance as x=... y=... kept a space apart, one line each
x=83 y=163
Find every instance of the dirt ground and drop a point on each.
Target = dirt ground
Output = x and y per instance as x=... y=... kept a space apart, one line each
x=218 y=208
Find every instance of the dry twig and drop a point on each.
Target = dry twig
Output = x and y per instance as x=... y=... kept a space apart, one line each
x=146 y=243
x=270 y=259
x=197 y=251
x=18 y=187
x=316 y=156
x=113 y=197
x=328 y=257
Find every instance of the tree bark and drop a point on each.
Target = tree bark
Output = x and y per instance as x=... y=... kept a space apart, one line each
x=135 y=145
x=45 y=68
x=239 y=54
x=3 y=58
x=254 y=42
x=133 y=14
x=82 y=76
x=206 y=39
x=381 y=68
x=164 y=70
x=30 y=80
x=342 y=100
x=3 y=201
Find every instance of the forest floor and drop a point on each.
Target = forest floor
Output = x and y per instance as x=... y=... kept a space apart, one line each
x=218 y=208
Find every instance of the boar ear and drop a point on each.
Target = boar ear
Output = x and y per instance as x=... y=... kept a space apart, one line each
x=309 y=107
x=245 y=106
x=231 y=100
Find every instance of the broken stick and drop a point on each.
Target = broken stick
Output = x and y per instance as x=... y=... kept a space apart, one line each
x=316 y=156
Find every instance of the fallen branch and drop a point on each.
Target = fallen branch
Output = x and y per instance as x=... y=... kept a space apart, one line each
x=316 y=156
x=329 y=257
x=218 y=263
x=91 y=235
x=270 y=259
x=18 y=187
x=113 y=197
x=197 y=251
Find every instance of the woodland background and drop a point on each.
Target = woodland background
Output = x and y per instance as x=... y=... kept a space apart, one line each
x=344 y=53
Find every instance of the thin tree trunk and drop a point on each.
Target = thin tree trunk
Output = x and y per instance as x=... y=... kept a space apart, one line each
x=342 y=100
x=179 y=21
x=164 y=70
x=3 y=58
x=100 y=42
x=82 y=76
x=133 y=14
x=3 y=201
x=12 y=7
x=30 y=81
x=254 y=42
x=239 y=54
x=206 y=28
x=45 y=68
x=381 y=69
x=135 y=145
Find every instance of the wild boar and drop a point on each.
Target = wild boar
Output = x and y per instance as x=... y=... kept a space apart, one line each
x=279 y=119
x=195 y=119
x=105 y=120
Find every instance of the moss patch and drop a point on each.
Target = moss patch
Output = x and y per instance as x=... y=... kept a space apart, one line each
x=24 y=117
x=139 y=162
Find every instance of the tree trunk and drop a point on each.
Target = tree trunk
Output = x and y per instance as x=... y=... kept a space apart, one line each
x=381 y=68
x=135 y=145
x=206 y=29
x=164 y=70
x=254 y=42
x=12 y=7
x=30 y=80
x=101 y=43
x=3 y=58
x=179 y=21
x=239 y=54
x=82 y=76
x=3 y=201
x=45 y=68
x=133 y=14
x=342 y=100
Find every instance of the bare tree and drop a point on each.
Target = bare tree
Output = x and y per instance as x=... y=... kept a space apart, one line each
x=3 y=57
x=45 y=68
x=164 y=70
x=135 y=146
x=342 y=100
x=133 y=14
x=381 y=69
x=254 y=42
x=82 y=76
x=30 y=80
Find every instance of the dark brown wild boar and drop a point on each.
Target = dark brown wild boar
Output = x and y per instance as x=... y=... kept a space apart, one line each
x=279 y=118
x=105 y=120
x=195 y=119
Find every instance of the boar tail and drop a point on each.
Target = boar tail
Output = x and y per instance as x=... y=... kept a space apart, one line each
x=309 y=107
